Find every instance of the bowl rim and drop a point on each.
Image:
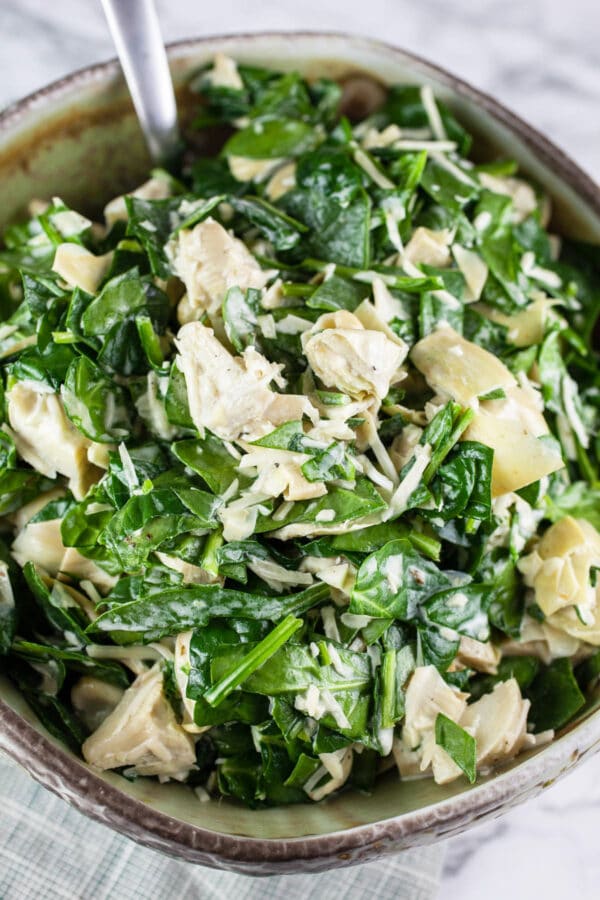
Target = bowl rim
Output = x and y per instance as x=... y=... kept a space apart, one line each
x=68 y=777
x=76 y=783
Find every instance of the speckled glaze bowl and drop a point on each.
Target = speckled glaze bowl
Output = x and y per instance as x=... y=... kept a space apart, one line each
x=79 y=139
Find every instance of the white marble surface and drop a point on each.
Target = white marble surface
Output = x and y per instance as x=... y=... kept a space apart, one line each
x=541 y=58
x=546 y=848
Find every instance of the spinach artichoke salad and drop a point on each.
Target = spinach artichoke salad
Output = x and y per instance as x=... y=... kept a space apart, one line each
x=299 y=458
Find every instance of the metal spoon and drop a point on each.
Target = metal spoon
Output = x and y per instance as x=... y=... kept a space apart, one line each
x=136 y=33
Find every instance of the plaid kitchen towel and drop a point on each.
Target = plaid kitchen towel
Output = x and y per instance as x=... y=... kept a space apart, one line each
x=48 y=851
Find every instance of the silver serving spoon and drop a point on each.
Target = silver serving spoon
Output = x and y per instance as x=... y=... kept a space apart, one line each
x=136 y=33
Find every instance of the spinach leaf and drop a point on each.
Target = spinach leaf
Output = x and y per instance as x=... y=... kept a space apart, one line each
x=338 y=293
x=506 y=287
x=56 y=605
x=238 y=777
x=330 y=200
x=462 y=486
x=458 y=744
x=210 y=459
x=220 y=102
x=153 y=580
x=366 y=540
x=253 y=660
x=94 y=403
x=147 y=520
x=128 y=254
x=205 y=642
x=461 y=609
x=442 y=434
x=234 y=556
x=522 y=668
x=286 y=96
x=57 y=718
x=436 y=647
x=211 y=177
x=111 y=318
x=447 y=187
x=392 y=582
x=294 y=669
x=505 y=602
x=176 y=399
x=119 y=298
x=304 y=768
x=555 y=696
x=17 y=485
x=172 y=610
x=251 y=709
x=39 y=292
x=131 y=468
x=340 y=234
x=271 y=139
x=289 y=436
x=73 y=659
x=281 y=230
x=347 y=506
x=552 y=371
x=276 y=766
x=28 y=249
x=47 y=362
x=329 y=464
x=83 y=522
x=150 y=342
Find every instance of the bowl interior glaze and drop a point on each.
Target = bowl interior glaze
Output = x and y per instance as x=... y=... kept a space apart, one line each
x=79 y=139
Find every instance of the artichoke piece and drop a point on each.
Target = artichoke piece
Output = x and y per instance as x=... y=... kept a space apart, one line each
x=511 y=426
x=142 y=732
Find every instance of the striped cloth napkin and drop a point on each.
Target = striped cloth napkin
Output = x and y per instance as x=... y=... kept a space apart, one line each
x=49 y=851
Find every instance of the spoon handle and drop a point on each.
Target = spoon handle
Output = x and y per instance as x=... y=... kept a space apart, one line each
x=136 y=33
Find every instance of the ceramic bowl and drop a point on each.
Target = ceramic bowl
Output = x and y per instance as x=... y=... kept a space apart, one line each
x=79 y=139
